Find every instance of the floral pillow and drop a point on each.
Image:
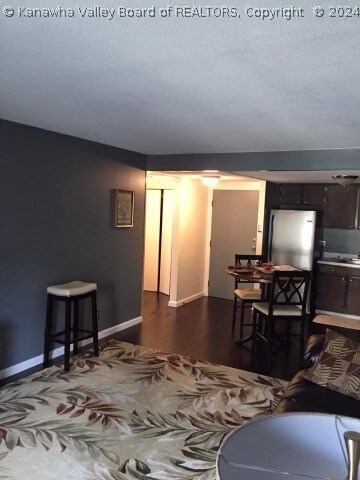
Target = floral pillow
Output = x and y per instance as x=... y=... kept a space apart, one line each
x=338 y=365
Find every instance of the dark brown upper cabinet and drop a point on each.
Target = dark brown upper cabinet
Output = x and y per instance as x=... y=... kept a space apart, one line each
x=291 y=194
x=303 y=194
x=341 y=209
x=314 y=194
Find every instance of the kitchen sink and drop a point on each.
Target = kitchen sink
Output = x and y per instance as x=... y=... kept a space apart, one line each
x=354 y=261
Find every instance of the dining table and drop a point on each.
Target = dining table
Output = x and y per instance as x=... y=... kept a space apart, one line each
x=251 y=274
x=256 y=274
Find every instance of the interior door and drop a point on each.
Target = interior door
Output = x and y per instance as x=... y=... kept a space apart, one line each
x=152 y=237
x=166 y=241
x=233 y=230
x=158 y=240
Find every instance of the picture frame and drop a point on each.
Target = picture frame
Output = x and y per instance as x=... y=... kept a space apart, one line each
x=124 y=208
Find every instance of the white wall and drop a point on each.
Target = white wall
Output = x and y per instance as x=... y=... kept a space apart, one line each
x=193 y=197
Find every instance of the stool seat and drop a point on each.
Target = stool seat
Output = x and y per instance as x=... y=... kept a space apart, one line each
x=248 y=294
x=279 y=310
x=71 y=289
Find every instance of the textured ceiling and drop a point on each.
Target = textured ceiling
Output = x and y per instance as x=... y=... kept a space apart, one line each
x=185 y=85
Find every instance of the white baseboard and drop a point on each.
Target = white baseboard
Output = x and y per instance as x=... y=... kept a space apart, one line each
x=57 y=352
x=185 y=300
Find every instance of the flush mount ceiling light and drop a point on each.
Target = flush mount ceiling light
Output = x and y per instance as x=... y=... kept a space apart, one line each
x=210 y=180
x=151 y=176
x=345 y=180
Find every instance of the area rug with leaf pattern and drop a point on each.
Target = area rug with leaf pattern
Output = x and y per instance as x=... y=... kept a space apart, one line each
x=131 y=413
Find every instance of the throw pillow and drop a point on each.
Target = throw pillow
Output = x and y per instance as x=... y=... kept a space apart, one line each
x=338 y=365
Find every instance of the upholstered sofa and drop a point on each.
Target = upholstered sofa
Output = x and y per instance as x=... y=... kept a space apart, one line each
x=301 y=395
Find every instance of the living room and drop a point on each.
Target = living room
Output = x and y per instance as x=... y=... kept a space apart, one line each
x=89 y=106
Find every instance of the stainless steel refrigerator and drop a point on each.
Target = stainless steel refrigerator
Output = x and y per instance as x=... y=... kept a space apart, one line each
x=292 y=238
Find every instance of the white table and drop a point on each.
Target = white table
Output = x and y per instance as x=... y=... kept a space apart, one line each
x=292 y=446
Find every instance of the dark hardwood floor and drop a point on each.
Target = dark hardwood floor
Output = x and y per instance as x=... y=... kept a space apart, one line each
x=202 y=329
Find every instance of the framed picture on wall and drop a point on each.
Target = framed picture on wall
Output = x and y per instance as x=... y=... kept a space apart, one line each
x=124 y=208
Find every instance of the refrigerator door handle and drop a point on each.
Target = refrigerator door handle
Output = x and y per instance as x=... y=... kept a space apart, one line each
x=271 y=235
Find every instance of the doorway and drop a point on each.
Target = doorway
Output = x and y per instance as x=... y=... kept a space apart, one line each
x=233 y=230
x=159 y=212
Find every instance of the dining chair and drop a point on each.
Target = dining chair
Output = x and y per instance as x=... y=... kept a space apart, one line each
x=244 y=297
x=287 y=302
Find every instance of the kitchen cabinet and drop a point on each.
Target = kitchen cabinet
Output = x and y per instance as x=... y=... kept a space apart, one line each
x=341 y=209
x=353 y=295
x=303 y=194
x=331 y=289
x=291 y=194
x=338 y=289
x=314 y=194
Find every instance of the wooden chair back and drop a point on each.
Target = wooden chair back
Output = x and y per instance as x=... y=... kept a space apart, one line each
x=246 y=260
x=290 y=288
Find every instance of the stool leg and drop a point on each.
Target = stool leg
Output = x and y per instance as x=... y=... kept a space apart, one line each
x=242 y=315
x=234 y=313
x=47 y=338
x=302 y=340
x=76 y=326
x=94 y=323
x=67 y=334
x=254 y=337
x=270 y=337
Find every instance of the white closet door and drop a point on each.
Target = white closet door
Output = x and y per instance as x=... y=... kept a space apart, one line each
x=166 y=243
x=152 y=237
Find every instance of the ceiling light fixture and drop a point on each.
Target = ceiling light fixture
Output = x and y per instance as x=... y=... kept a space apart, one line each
x=345 y=180
x=210 y=180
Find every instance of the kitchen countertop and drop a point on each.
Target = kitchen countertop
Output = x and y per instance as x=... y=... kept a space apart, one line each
x=338 y=262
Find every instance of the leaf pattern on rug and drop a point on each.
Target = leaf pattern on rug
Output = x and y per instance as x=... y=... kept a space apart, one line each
x=97 y=411
x=131 y=413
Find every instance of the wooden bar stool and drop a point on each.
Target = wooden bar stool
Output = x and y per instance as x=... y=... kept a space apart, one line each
x=70 y=293
x=244 y=297
x=287 y=303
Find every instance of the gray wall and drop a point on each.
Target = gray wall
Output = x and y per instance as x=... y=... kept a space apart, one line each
x=56 y=218
x=342 y=241
x=333 y=159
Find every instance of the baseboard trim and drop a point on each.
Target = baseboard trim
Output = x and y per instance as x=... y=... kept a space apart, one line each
x=57 y=352
x=186 y=300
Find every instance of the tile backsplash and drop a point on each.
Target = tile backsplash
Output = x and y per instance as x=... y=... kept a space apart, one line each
x=342 y=241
